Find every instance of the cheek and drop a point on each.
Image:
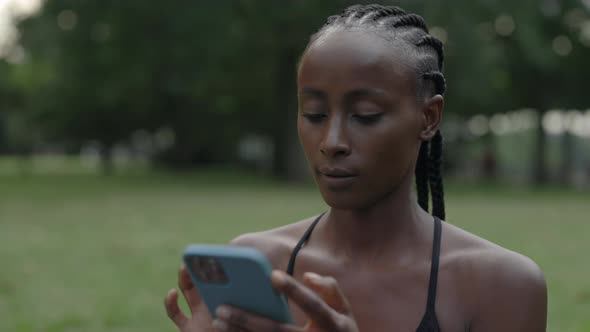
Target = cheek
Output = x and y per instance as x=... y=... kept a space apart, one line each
x=393 y=150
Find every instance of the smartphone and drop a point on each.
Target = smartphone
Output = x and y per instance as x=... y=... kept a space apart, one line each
x=236 y=276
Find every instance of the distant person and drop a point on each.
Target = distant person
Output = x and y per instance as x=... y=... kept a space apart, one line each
x=370 y=91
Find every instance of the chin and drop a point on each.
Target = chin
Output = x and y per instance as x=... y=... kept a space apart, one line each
x=345 y=200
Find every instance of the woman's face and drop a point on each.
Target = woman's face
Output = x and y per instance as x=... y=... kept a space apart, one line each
x=359 y=120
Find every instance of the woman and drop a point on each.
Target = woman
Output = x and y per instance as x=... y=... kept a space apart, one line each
x=370 y=88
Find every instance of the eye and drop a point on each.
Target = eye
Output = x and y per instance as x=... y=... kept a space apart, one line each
x=366 y=112
x=313 y=109
x=314 y=117
x=367 y=119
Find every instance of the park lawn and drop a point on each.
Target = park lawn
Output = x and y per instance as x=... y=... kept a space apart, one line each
x=98 y=253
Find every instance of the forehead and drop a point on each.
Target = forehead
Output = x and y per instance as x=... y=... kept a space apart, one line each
x=357 y=59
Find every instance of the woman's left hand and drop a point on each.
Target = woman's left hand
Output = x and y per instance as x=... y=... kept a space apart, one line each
x=319 y=297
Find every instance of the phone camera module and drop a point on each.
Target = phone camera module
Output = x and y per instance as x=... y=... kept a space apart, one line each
x=209 y=270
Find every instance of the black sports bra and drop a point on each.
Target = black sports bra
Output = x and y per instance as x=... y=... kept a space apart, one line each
x=429 y=321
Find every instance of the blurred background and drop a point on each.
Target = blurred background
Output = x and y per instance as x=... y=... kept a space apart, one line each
x=129 y=129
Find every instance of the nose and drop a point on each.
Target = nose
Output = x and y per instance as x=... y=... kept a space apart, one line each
x=335 y=141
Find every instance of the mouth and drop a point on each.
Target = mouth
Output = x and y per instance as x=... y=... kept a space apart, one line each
x=336 y=178
x=335 y=172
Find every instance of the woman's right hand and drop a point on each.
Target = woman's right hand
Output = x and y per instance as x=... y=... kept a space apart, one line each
x=199 y=320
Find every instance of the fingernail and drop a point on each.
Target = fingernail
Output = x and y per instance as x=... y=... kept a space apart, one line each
x=219 y=325
x=222 y=312
x=313 y=276
x=278 y=277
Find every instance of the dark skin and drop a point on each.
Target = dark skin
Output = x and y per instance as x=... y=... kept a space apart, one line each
x=360 y=124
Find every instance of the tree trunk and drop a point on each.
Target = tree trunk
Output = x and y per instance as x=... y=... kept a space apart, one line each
x=288 y=160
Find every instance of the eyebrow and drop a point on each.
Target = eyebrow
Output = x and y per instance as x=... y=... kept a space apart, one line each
x=349 y=95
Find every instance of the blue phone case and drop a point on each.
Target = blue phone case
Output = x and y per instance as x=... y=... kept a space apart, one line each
x=248 y=283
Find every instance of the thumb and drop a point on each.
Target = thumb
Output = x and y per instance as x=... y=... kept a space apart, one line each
x=327 y=288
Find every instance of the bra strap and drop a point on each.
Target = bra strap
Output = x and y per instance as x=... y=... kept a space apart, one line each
x=300 y=244
x=434 y=265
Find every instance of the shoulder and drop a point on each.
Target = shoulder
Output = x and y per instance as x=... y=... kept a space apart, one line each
x=505 y=287
x=277 y=243
x=477 y=257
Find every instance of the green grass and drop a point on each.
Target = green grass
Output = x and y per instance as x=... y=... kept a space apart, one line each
x=93 y=253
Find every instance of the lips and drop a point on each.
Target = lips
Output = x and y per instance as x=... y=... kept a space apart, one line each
x=336 y=172
x=335 y=178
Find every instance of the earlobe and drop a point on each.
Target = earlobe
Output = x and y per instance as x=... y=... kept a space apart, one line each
x=432 y=115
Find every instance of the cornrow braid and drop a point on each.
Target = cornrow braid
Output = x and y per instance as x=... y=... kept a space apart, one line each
x=411 y=30
x=332 y=19
x=440 y=85
x=410 y=20
x=351 y=10
x=421 y=175
x=435 y=176
x=428 y=40
x=361 y=12
x=387 y=12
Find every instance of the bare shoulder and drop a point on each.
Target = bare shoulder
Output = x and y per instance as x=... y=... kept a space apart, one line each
x=479 y=257
x=501 y=283
x=277 y=243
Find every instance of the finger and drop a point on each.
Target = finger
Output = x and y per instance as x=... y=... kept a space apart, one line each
x=329 y=291
x=172 y=309
x=231 y=317
x=310 y=302
x=188 y=289
x=223 y=326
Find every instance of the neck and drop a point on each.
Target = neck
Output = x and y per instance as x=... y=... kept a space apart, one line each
x=389 y=231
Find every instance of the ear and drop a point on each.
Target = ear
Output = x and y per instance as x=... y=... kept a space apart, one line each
x=432 y=111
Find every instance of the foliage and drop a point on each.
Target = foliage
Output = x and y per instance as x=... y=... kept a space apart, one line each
x=214 y=72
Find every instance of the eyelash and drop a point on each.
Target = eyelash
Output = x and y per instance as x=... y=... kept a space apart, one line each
x=314 y=117
x=363 y=119
x=368 y=119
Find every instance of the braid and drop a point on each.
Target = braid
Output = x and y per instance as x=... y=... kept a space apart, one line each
x=376 y=7
x=361 y=12
x=351 y=9
x=332 y=19
x=428 y=40
x=410 y=20
x=411 y=30
x=421 y=175
x=387 y=12
x=440 y=85
x=358 y=11
x=435 y=176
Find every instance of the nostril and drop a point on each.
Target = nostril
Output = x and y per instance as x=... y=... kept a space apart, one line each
x=335 y=150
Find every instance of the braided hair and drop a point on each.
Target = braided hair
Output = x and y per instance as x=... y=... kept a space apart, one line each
x=427 y=50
